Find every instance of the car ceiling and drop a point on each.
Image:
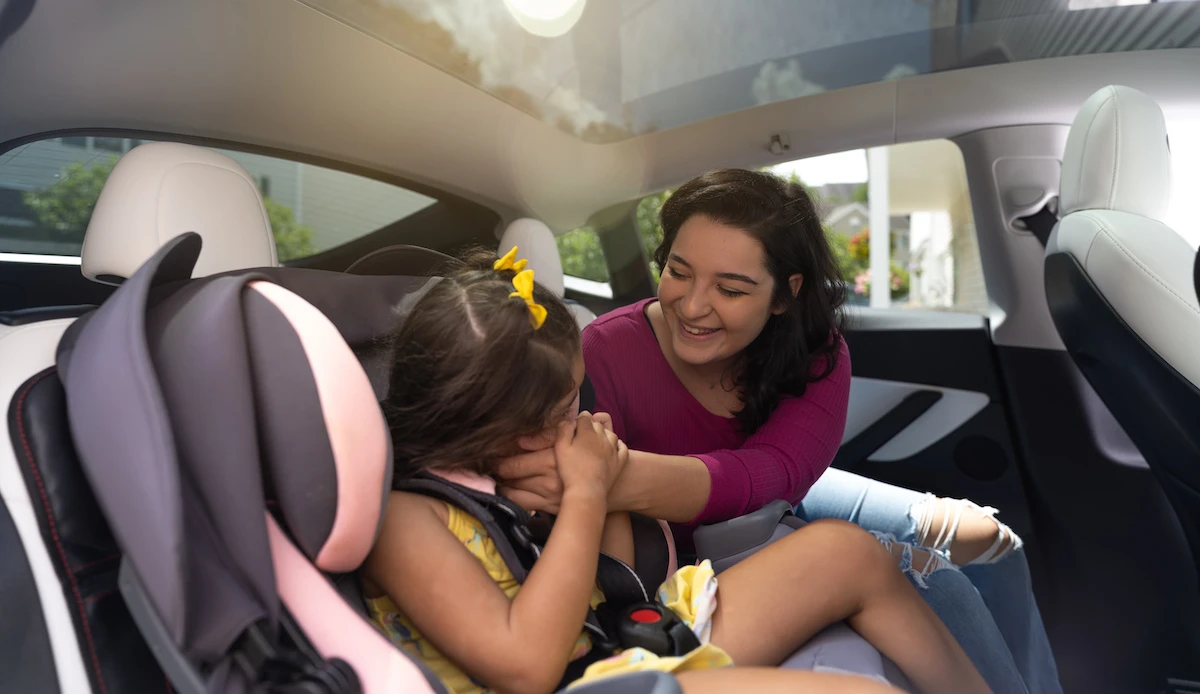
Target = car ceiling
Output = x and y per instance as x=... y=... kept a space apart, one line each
x=279 y=74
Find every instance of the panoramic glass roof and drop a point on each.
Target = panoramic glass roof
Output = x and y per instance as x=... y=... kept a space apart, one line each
x=606 y=70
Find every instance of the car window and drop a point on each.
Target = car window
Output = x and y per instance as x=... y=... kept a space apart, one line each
x=584 y=266
x=934 y=254
x=49 y=187
x=1183 y=213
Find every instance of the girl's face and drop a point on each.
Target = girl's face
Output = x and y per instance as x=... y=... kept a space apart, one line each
x=716 y=291
x=567 y=410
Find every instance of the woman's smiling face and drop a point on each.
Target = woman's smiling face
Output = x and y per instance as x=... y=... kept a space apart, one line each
x=716 y=291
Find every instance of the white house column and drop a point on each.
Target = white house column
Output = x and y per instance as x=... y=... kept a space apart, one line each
x=881 y=242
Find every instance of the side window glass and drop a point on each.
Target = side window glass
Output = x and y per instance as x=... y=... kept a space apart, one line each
x=584 y=267
x=49 y=188
x=933 y=252
x=1183 y=211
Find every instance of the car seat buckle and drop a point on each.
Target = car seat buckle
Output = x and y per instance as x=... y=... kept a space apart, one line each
x=651 y=626
x=290 y=670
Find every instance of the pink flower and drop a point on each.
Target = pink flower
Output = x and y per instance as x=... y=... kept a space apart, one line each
x=862 y=283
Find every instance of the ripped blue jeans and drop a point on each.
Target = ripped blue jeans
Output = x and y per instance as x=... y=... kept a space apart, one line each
x=988 y=606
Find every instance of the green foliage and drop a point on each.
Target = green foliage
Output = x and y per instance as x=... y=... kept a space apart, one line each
x=860 y=193
x=292 y=239
x=582 y=255
x=648 y=227
x=63 y=208
x=840 y=245
x=856 y=265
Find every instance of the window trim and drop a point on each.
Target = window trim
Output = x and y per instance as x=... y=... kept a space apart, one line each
x=600 y=290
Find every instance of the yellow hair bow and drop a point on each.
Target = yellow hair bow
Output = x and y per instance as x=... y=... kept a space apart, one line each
x=523 y=283
x=509 y=262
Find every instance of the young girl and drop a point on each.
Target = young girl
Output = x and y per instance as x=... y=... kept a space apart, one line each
x=489 y=364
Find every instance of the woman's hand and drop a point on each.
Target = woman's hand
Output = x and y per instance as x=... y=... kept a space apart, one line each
x=531 y=479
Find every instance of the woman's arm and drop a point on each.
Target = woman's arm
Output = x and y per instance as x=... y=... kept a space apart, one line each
x=522 y=645
x=780 y=461
x=673 y=488
x=617 y=540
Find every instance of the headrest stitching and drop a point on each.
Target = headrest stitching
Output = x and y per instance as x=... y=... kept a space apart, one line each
x=1112 y=190
x=1082 y=156
x=1108 y=234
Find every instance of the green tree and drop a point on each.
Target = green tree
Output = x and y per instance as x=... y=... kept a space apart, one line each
x=292 y=239
x=63 y=208
x=649 y=227
x=855 y=265
x=582 y=255
x=860 y=193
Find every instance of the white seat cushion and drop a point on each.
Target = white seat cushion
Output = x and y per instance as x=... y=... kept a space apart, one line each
x=1115 y=190
x=24 y=351
x=1143 y=268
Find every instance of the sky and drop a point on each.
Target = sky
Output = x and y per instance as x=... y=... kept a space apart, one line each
x=843 y=167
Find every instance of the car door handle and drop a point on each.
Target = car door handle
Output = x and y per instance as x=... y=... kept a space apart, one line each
x=856 y=451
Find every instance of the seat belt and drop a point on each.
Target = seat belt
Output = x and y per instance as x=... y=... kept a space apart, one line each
x=622 y=621
x=1042 y=222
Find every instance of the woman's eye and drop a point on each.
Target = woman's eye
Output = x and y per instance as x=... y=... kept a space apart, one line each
x=675 y=273
x=730 y=292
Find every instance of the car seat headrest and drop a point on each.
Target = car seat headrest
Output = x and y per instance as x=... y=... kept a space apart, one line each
x=325 y=447
x=1117 y=156
x=536 y=242
x=160 y=190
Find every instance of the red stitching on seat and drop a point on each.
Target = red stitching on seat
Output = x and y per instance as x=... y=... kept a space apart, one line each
x=100 y=596
x=90 y=564
x=62 y=553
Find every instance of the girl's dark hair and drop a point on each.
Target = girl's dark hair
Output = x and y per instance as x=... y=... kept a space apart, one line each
x=470 y=374
x=800 y=345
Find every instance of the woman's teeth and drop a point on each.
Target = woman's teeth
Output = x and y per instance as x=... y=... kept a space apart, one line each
x=698 y=331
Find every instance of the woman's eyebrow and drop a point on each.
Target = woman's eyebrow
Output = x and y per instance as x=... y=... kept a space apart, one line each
x=736 y=276
x=724 y=275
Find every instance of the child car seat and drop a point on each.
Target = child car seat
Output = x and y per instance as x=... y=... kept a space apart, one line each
x=248 y=457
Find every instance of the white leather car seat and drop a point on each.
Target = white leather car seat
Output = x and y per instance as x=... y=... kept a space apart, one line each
x=160 y=190
x=536 y=243
x=156 y=192
x=1119 y=286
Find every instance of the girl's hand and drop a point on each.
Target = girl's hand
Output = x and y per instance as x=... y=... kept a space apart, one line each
x=531 y=479
x=589 y=456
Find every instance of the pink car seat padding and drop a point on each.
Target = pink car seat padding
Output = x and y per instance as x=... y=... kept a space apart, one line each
x=334 y=628
x=357 y=432
x=672 y=559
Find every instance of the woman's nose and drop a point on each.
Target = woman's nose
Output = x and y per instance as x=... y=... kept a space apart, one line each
x=695 y=304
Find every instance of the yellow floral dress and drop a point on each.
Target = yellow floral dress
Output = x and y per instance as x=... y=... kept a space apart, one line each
x=689 y=592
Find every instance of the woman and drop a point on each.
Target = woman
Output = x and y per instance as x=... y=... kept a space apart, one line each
x=731 y=388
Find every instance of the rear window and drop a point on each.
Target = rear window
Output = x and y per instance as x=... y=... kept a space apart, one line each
x=48 y=189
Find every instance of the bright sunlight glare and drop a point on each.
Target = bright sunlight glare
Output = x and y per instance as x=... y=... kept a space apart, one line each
x=547 y=18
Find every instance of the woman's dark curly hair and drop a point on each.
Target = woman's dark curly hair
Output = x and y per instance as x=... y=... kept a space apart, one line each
x=470 y=374
x=800 y=345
